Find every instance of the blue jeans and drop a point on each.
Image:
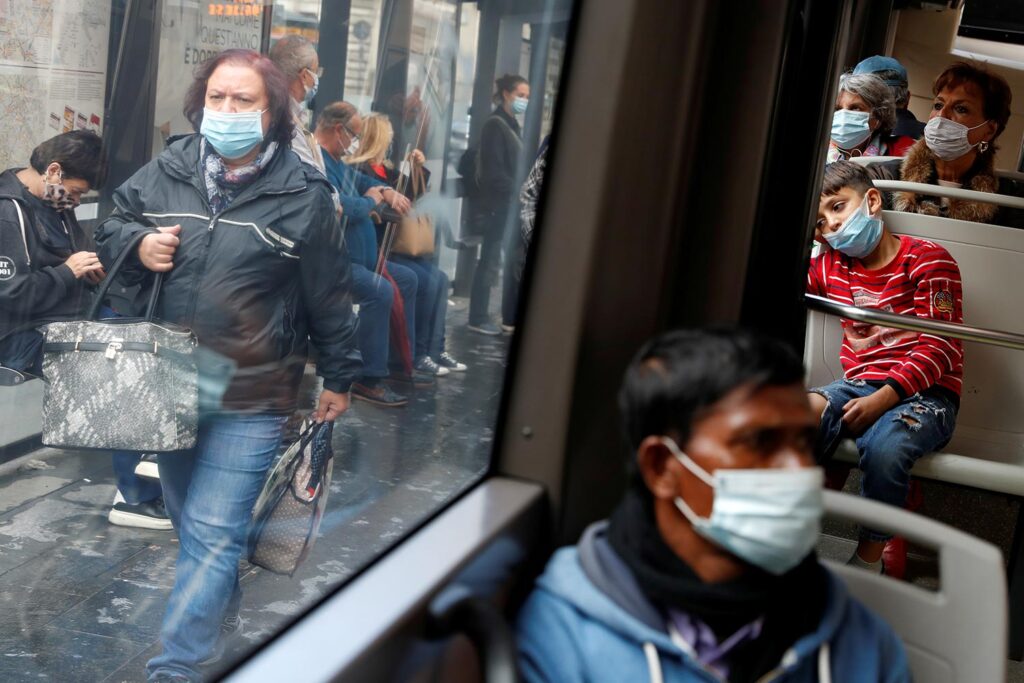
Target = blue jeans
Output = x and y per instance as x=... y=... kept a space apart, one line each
x=374 y=295
x=916 y=426
x=431 y=304
x=210 y=491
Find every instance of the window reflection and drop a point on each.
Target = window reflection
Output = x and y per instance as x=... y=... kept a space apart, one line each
x=423 y=145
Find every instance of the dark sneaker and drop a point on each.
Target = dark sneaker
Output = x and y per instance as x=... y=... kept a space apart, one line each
x=147 y=467
x=490 y=329
x=445 y=360
x=148 y=515
x=427 y=366
x=230 y=627
x=381 y=395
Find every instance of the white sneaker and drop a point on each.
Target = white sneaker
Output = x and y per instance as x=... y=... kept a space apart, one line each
x=147 y=467
x=148 y=515
x=445 y=360
x=427 y=366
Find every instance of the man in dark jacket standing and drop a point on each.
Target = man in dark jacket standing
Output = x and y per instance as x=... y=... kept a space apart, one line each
x=47 y=262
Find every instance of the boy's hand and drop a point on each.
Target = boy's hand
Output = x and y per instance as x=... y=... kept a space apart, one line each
x=861 y=413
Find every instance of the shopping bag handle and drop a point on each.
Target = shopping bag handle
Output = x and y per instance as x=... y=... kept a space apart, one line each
x=101 y=291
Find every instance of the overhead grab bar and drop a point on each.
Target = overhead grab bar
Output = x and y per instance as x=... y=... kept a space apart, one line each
x=873 y=316
x=1006 y=200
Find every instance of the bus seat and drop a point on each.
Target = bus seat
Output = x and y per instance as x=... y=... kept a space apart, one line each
x=957 y=634
x=987 y=449
x=23 y=412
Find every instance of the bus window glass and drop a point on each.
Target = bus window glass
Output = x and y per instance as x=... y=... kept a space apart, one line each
x=342 y=239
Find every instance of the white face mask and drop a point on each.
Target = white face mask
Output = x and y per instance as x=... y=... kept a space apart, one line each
x=947 y=139
x=769 y=517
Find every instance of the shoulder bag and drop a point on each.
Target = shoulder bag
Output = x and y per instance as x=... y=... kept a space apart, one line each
x=416 y=231
x=121 y=383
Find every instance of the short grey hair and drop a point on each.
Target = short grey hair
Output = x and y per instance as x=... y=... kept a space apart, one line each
x=876 y=94
x=292 y=54
x=898 y=86
x=335 y=114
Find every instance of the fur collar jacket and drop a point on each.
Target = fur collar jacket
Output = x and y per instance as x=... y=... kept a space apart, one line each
x=919 y=167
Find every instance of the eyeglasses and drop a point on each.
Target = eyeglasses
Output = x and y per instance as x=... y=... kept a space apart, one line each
x=319 y=72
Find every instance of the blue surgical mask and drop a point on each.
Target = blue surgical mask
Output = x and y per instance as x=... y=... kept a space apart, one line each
x=850 y=128
x=859 y=234
x=311 y=91
x=519 y=105
x=232 y=134
x=770 y=518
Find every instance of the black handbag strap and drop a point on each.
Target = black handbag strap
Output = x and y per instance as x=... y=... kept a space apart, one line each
x=115 y=268
x=115 y=346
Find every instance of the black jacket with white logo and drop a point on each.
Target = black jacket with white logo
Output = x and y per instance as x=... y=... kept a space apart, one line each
x=253 y=282
x=34 y=282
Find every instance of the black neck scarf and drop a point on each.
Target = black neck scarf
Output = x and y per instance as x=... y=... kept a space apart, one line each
x=792 y=604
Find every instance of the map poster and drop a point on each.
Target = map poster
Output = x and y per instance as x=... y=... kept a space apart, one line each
x=53 y=71
x=191 y=32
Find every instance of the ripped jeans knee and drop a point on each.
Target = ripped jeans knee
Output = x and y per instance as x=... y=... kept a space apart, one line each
x=917 y=426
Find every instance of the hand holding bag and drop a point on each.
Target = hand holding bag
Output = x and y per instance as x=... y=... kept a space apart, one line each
x=287 y=515
x=416 y=231
x=120 y=384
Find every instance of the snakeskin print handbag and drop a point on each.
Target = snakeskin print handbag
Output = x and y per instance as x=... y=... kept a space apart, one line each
x=288 y=512
x=121 y=383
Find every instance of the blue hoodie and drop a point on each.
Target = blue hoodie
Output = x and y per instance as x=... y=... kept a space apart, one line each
x=570 y=630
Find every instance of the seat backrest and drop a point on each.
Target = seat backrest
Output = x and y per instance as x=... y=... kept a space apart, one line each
x=957 y=634
x=990 y=424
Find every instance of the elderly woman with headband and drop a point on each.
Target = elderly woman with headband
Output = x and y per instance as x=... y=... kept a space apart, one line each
x=864 y=117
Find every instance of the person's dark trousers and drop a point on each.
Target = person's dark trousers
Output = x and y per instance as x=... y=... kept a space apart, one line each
x=23 y=351
x=374 y=295
x=486 y=269
x=431 y=304
x=134 y=489
x=511 y=275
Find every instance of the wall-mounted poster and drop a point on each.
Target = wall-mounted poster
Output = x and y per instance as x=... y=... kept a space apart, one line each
x=53 y=71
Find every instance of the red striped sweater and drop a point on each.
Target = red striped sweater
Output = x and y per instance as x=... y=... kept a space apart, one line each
x=922 y=280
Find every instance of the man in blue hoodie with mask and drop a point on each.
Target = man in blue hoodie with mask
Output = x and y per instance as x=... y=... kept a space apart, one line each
x=706 y=571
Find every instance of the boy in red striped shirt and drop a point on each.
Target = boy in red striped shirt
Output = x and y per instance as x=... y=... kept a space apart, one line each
x=901 y=390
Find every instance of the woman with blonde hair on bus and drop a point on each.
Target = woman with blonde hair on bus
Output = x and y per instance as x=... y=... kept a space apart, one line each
x=247 y=240
x=970 y=111
x=429 y=354
x=863 y=120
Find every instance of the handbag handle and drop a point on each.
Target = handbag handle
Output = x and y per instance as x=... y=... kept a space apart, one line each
x=419 y=180
x=101 y=292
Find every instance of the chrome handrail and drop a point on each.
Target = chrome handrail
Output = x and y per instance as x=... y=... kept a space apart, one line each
x=1006 y=200
x=873 y=316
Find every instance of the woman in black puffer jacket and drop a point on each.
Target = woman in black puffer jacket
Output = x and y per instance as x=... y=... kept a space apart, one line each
x=248 y=239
